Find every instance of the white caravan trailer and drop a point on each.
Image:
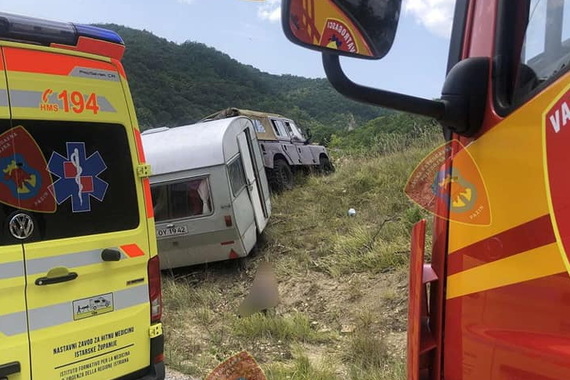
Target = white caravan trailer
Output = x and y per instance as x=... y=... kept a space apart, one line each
x=209 y=190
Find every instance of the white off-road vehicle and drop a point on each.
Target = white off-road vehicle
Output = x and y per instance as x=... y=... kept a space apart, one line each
x=284 y=146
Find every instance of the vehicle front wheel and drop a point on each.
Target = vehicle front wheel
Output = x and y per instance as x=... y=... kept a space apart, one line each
x=325 y=166
x=281 y=176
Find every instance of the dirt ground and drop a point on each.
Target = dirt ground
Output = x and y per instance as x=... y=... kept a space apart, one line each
x=341 y=307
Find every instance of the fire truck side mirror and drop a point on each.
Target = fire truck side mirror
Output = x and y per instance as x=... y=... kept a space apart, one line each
x=356 y=28
x=465 y=96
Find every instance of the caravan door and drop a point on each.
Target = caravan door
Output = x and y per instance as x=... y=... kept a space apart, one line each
x=253 y=182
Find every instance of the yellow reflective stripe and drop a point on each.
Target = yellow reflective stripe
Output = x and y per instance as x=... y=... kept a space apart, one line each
x=13 y=324
x=3 y=97
x=11 y=270
x=44 y=264
x=69 y=260
x=536 y=263
x=53 y=315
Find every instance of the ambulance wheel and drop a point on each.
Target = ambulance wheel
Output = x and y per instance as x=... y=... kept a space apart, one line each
x=281 y=176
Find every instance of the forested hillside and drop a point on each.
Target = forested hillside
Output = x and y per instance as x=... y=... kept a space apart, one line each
x=174 y=84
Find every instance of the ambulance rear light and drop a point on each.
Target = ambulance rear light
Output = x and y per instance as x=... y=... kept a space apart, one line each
x=154 y=289
x=46 y=32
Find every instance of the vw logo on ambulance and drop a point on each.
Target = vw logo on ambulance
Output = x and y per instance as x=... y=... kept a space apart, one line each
x=21 y=226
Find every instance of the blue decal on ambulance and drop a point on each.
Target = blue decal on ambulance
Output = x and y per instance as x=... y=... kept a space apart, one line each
x=78 y=177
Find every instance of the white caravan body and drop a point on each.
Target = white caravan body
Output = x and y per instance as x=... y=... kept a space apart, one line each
x=209 y=190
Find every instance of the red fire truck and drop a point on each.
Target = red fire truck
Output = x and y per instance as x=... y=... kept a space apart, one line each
x=494 y=303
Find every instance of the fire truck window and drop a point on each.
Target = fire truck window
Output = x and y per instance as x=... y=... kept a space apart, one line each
x=545 y=53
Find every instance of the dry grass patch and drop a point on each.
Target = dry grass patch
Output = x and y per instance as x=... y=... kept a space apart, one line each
x=342 y=282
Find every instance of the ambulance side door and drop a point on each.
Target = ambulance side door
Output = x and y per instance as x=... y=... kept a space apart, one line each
x=14 y=346
x=86 y=258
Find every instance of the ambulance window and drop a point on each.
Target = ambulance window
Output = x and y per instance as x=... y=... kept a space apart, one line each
x=182 y=199
x=545 y=51
x=237 y=175
x=75 y=178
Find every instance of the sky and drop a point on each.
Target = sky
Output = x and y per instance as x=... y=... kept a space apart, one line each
x=250 y=32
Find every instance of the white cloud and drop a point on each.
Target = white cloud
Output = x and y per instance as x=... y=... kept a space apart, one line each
x=270 y=11
x=435 y=15
x=186 y=1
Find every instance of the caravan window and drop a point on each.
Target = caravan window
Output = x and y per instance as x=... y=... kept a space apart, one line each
x=237 y=175
x=182 y=199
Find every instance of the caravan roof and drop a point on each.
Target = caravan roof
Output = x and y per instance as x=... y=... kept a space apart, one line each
x=188 y=147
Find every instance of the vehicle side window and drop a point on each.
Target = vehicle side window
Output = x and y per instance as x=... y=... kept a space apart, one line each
x=258 y=126
x=279 y=128
x=237 y=175
x=288 y=127
x=294 y=131
x=182 y=199
x=545 y=52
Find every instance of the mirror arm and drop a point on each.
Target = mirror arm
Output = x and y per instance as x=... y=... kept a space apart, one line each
x=387 y=99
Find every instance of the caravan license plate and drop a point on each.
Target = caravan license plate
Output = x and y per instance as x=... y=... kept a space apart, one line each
x=172 y=231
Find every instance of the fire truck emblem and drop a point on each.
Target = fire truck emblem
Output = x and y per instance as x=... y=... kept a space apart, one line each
x=455 y=190
x=337 y=35
x=24 y=180
x=449 y=176
x=78 y=177
x=556 y=132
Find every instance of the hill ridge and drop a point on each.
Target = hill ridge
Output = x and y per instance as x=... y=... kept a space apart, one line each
x=175 y=84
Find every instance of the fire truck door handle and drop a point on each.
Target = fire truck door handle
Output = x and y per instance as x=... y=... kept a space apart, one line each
x=9 y=369
x=55 y=276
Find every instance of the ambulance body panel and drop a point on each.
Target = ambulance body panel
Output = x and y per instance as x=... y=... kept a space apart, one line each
x=77 y=256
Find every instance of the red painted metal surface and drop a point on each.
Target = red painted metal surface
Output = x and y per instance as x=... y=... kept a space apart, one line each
x=94 y=46
x=530 y=235
x=482 y=44
x=422 y=343
x=415 y=299
x=517 y=332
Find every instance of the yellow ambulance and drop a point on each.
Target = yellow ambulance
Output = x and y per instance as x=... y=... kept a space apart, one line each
x=80 y=293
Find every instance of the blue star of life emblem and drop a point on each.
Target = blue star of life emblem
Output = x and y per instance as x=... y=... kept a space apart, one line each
x=78 y=177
